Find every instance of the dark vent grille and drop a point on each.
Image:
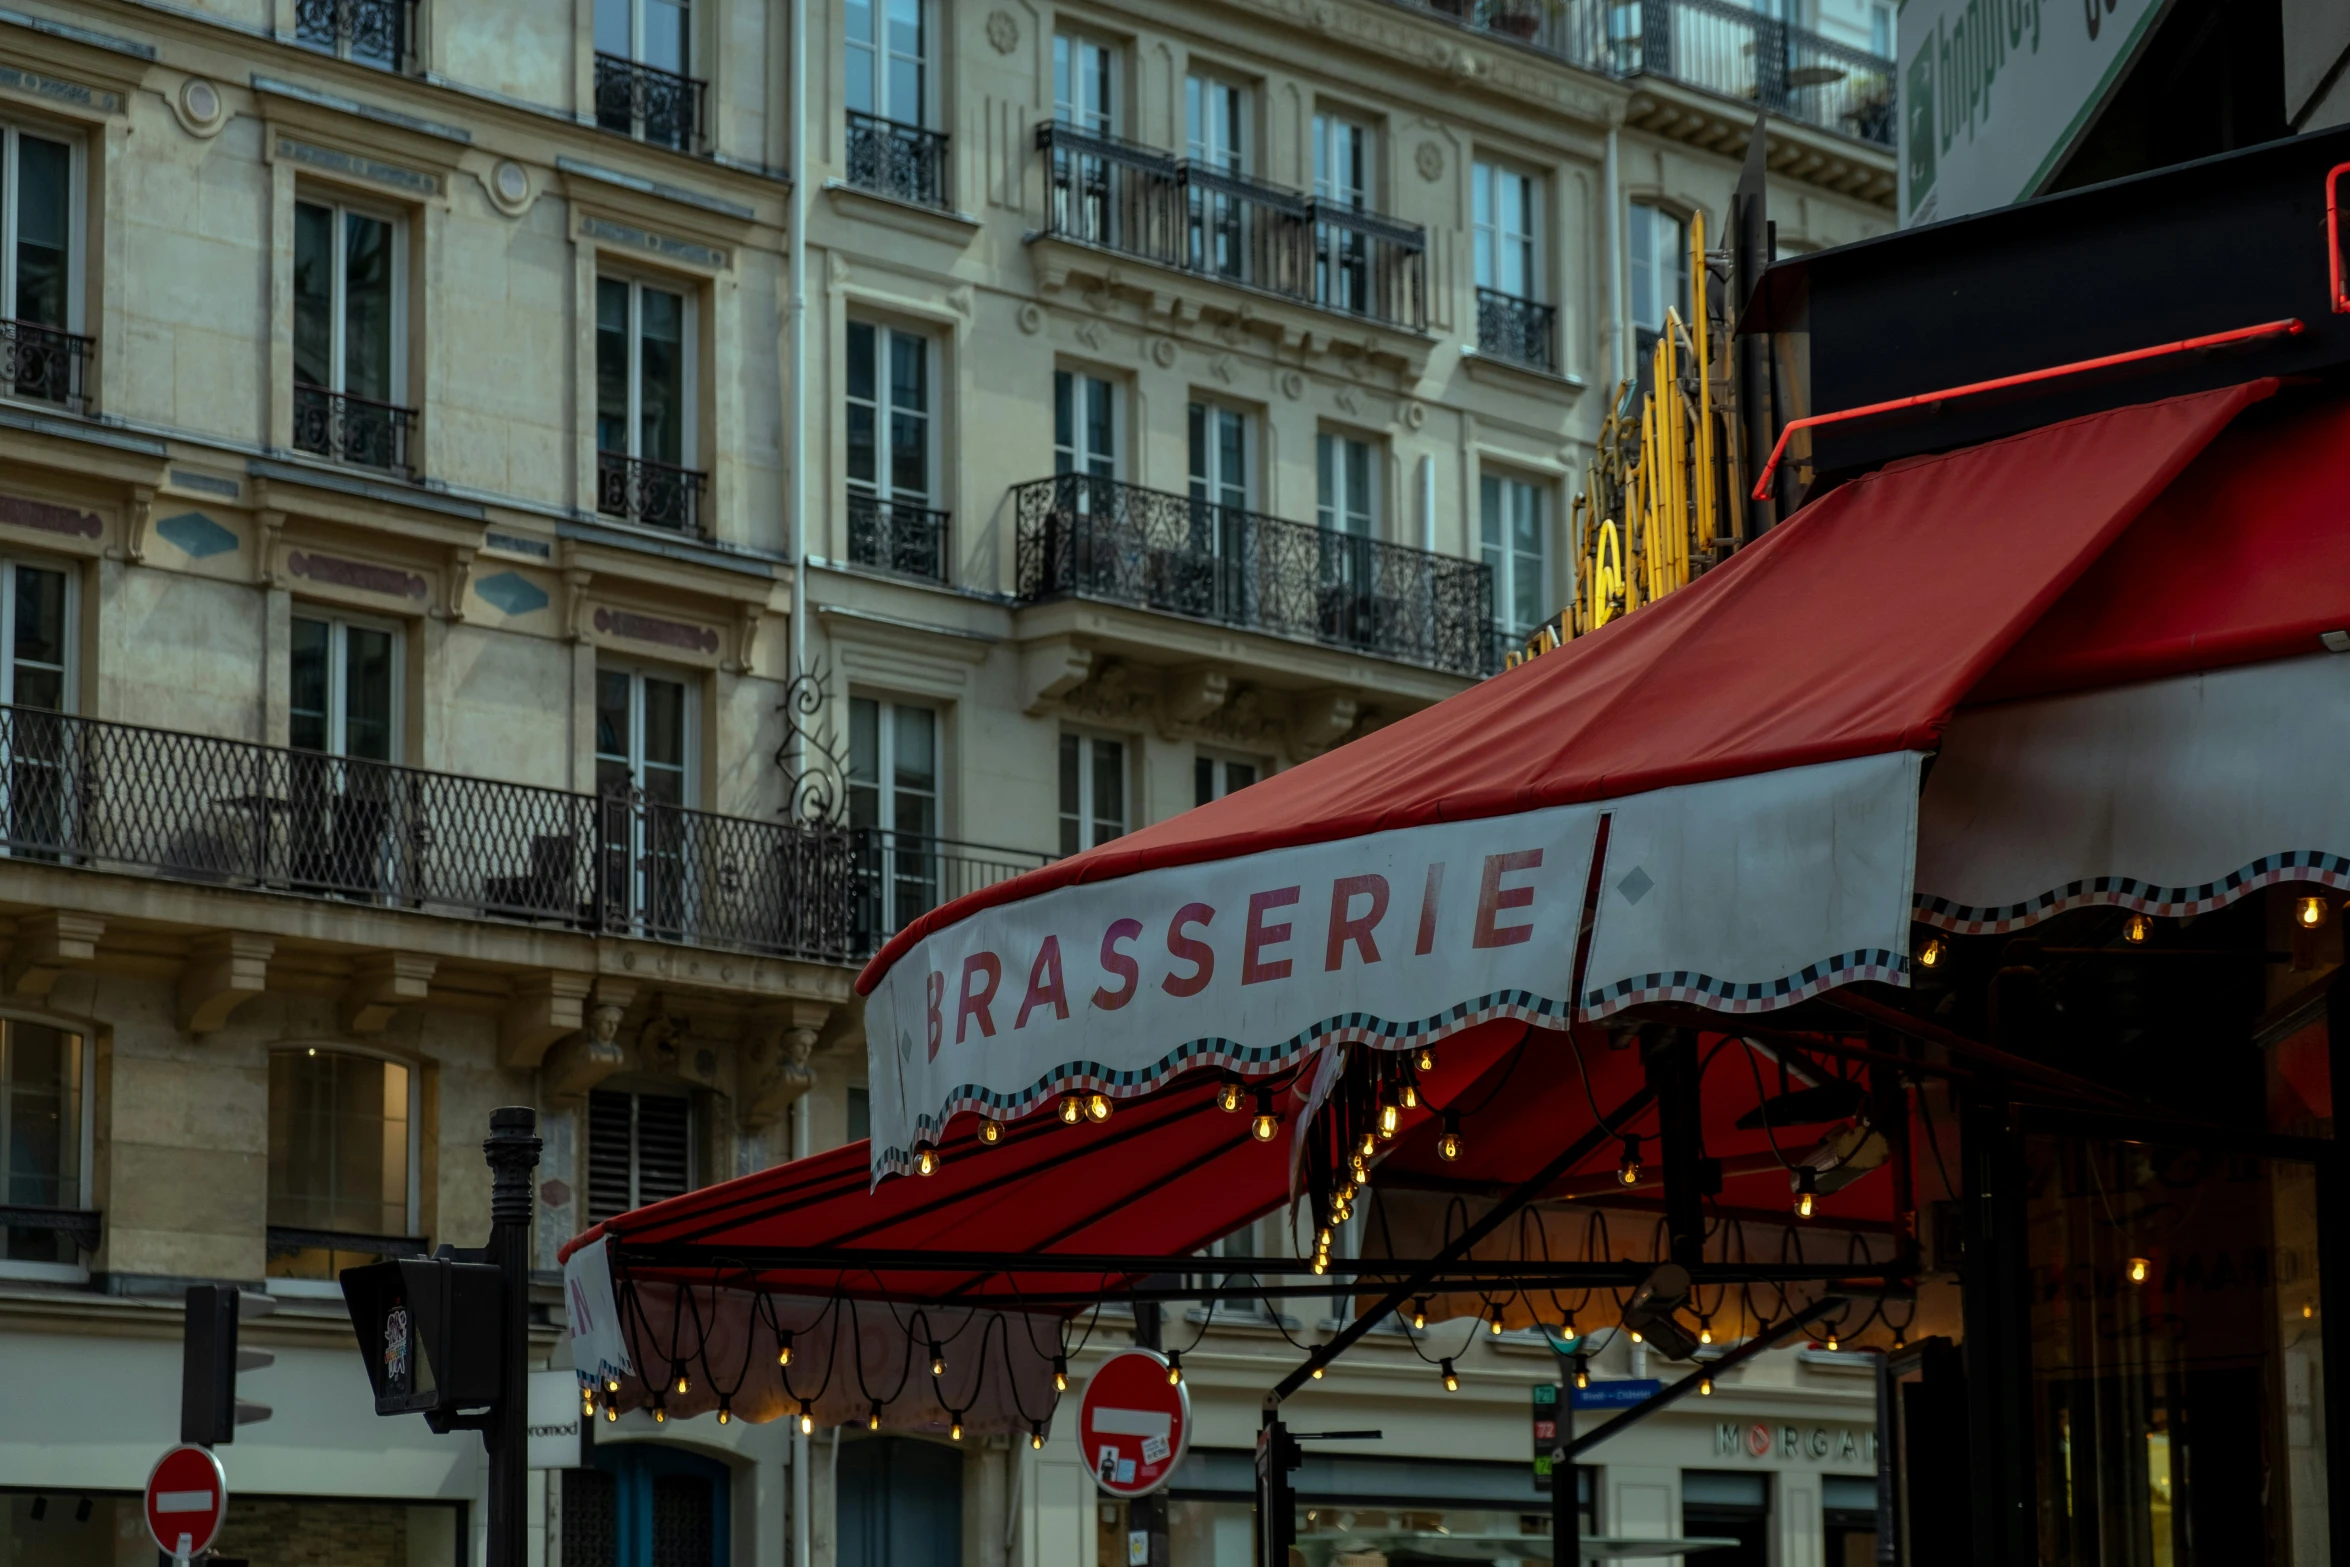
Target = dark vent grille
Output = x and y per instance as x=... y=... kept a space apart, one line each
x=608 y=1155
x=663 y=1165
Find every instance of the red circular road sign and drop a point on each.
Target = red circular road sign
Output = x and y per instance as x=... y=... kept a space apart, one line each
x=1133 y=1425
x=187 y=1495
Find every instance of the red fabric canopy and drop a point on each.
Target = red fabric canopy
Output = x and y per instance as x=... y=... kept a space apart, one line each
x=1853 y=630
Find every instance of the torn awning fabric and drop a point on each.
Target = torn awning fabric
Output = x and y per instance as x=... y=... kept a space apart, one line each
x=1728 y=782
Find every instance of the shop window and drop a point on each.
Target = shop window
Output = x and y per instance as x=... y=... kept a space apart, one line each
x=1728 y=1504
x=342 y=1161
x=1093 y=791
x=43 y=1146
x=1848 y=1521
x=901 y=1504
x=640 y=1150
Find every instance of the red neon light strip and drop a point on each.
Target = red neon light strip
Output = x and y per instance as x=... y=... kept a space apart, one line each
x=2334 y=238
x=2287 y=328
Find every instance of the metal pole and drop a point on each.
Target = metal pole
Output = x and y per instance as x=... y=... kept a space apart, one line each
x=513 y=1152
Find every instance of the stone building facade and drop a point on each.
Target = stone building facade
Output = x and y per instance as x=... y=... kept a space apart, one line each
x=408 y=572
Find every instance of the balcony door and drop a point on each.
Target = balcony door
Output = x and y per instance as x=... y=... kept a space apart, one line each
x=887 y=67
x=1342 y=178
x=1346 y=474
x=1223 y=456
x=1659 y=268
x=41 y=807
x=1217 y=114
x=343 y=721
x=893 y=801
x=40 y=179
x=645 y=733
x=644 y=71
x=1085 y=98
x=1514 y=539
x=350 y=335
x=1093 y=791
x=644 y=403
x=1503 y=201
x=890 y=476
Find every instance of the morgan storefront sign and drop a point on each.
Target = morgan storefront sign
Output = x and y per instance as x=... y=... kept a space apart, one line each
x=1796 y=1443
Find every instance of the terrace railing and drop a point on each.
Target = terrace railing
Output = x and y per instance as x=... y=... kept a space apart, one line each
x=903 y=876
x=897 y=536
x=1088 y=537
x=894 y=159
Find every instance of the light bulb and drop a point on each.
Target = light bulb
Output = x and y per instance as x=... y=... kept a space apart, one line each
x=2308 y=1310
x=1832 y=1341
x=587 y=1403
x=611 y=1412
x=991 y=1131
x=783 y=1348
x=1930 y=952
x=611 y=1384
x=1370 y=1144
x=1390 y=1117
x=1228 y=1095
x=938 y=1360
x=2136 y=929
x=1448 y=1143
x=660 y=1415
x=2309 y=913
x=1419 y=1314
x=1705 y=1330
x=314 y=1050
x=1097 y=1106
x=1582 y=1371
x=725 y=1415
x=1494 y=1322
x=1321 y=1264
x=873 y=1418
x=682 y=1384
x=1424 y=1059
x=1264 y=1123
x=1174 y=1368
x=955 y=1431
x=1807 y=1192
x=1705 y=1387
x=1036 y=1438
x=1317 y=1373
x=1060 y=1373
x=1628 y=1167
x=1411 y=1096
x=1900 y=1341
x=1636 y=1338
x=926 y=1160
x=2138 y=1270
x=1452 y=1383
x=807 y=1419
x=1072 y=1110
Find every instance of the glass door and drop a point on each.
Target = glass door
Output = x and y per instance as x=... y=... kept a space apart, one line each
x=644 y=732
x=343 y=695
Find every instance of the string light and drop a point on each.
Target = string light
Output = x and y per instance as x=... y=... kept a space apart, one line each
x=2139 y=1268
x=660 y=1415
x=1832 y=1341
x=1900 y=1341
x=1228 y=1094
x=1569 y=1330
x=1582 y=1371
x=1452 y=1382
x=1410 y=1094
x=611 y=1384
x=1419 y=1315
x=1174 y=1368
x=1060 y=1373
x=1036 y=1436
x=1097 y=1106
x=926 y=1159
x=1807 y=1192
x=938 y=1359
x=1705 y=1386
x=807 y=1418
x=1705 y=1330
x=2309 y=913
x=2136 y=929
x=611 y=1413
x=1930 y=952
x=783 y=1347
x=1448 y=1142
x=1264 y=1123
x=2308 y=1310
x=1370 y=1144
x=683 y=1386
x=991 y=1130
x=955 y=1431
x=1317 y=1371
x=1636 y=1338
x=1628 y=1167
x=1424 y=1059
x=587 y=1401
x=725 y=1414
x=1072 y=1110
x=1390 y=1117
x=873 y=1417
x=1494 y=1321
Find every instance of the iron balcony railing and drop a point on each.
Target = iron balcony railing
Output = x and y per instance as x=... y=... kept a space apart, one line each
x=657 y=494
x=650 y=104
x=1720 y=46
x=894 y=159
x=895 y=536
x=1190 y=215
x=1097 y=538
x=1522 y=331
x=378 y=32
x=903 y=876
x=350 y=429
x=230 y=813
x=45 y=364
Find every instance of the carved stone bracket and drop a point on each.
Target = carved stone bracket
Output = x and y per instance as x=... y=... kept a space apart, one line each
x=1193 y=694
x=1319 y=720
x=223 y=972
x=381 y=984
x=542 y=1009
x=47 y=944
x=1051 y=670
x=593 y=1053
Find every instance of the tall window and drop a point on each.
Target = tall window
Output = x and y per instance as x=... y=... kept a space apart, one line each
x=649 y=32
x=36 y=637
x=40 y=1135
x=888 y=64
x=1220 y=456
x=1660 y=272
x=644 y=72
x=1342 y=178
x=1093 y=791
x=644 y=402
x=644 y=748
x=345 y=689
x=1217 y=116
x=640 y=1150
x=889 y=414
x=1085 y=424
x=342 y=1159
x=39 y=278
x=893 y=792
x=1883 y=34
x=1213 y=777
x=1347 y=485
x=1085 y=80
x=1515 y=542
x=350 y=335
x=1503 y=205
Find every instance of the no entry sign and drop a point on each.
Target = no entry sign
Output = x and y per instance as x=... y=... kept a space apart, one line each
x=1133 y=1424
x=187 y=1494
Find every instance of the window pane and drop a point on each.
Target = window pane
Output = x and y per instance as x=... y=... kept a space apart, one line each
x=664 y=723
x=908 y=52
x=1064 y=423
x=909 y=425
x=338 y=1143
x=1489 y=520
x=1239 y=775
x=1203 y=780
x=862 y=434
x=1109 y=789
x=40 y=1131
x=40 y=639
x=44 y=218
x=661 y=387
x=1072 y=794
x=367 y=693
x=857 y=24
x=314 y=294
x=864 y=762
x=367 y=307
x=307 y=697
x=666 y=43
x=611 y=365
x=613 y=30
x=916 y=762
x=1100 y=437
x=612 y=705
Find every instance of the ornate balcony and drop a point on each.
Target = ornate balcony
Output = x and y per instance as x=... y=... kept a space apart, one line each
x=1099 y=539
x=46 y=365
x=891 y=159
x=1138 y=201
x=228 y=813
x=650 y=104
x=378 y=32
x=656 y=494
x=350 y=429
x=893 y=536
x=1521 y=331
x=1717 y=46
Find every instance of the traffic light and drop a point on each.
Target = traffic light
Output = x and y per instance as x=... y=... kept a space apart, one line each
x=210 y=1410
x=429 y=1331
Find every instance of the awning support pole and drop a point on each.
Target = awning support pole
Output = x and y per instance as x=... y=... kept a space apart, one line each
x=1670 y=1056
x=1525 y=1192
x=1664 y=1397
x=2333 y=1274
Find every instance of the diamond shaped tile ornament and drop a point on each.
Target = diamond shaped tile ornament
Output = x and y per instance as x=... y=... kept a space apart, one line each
x=512 y=593
x=1636 y=885
x=197 y=535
